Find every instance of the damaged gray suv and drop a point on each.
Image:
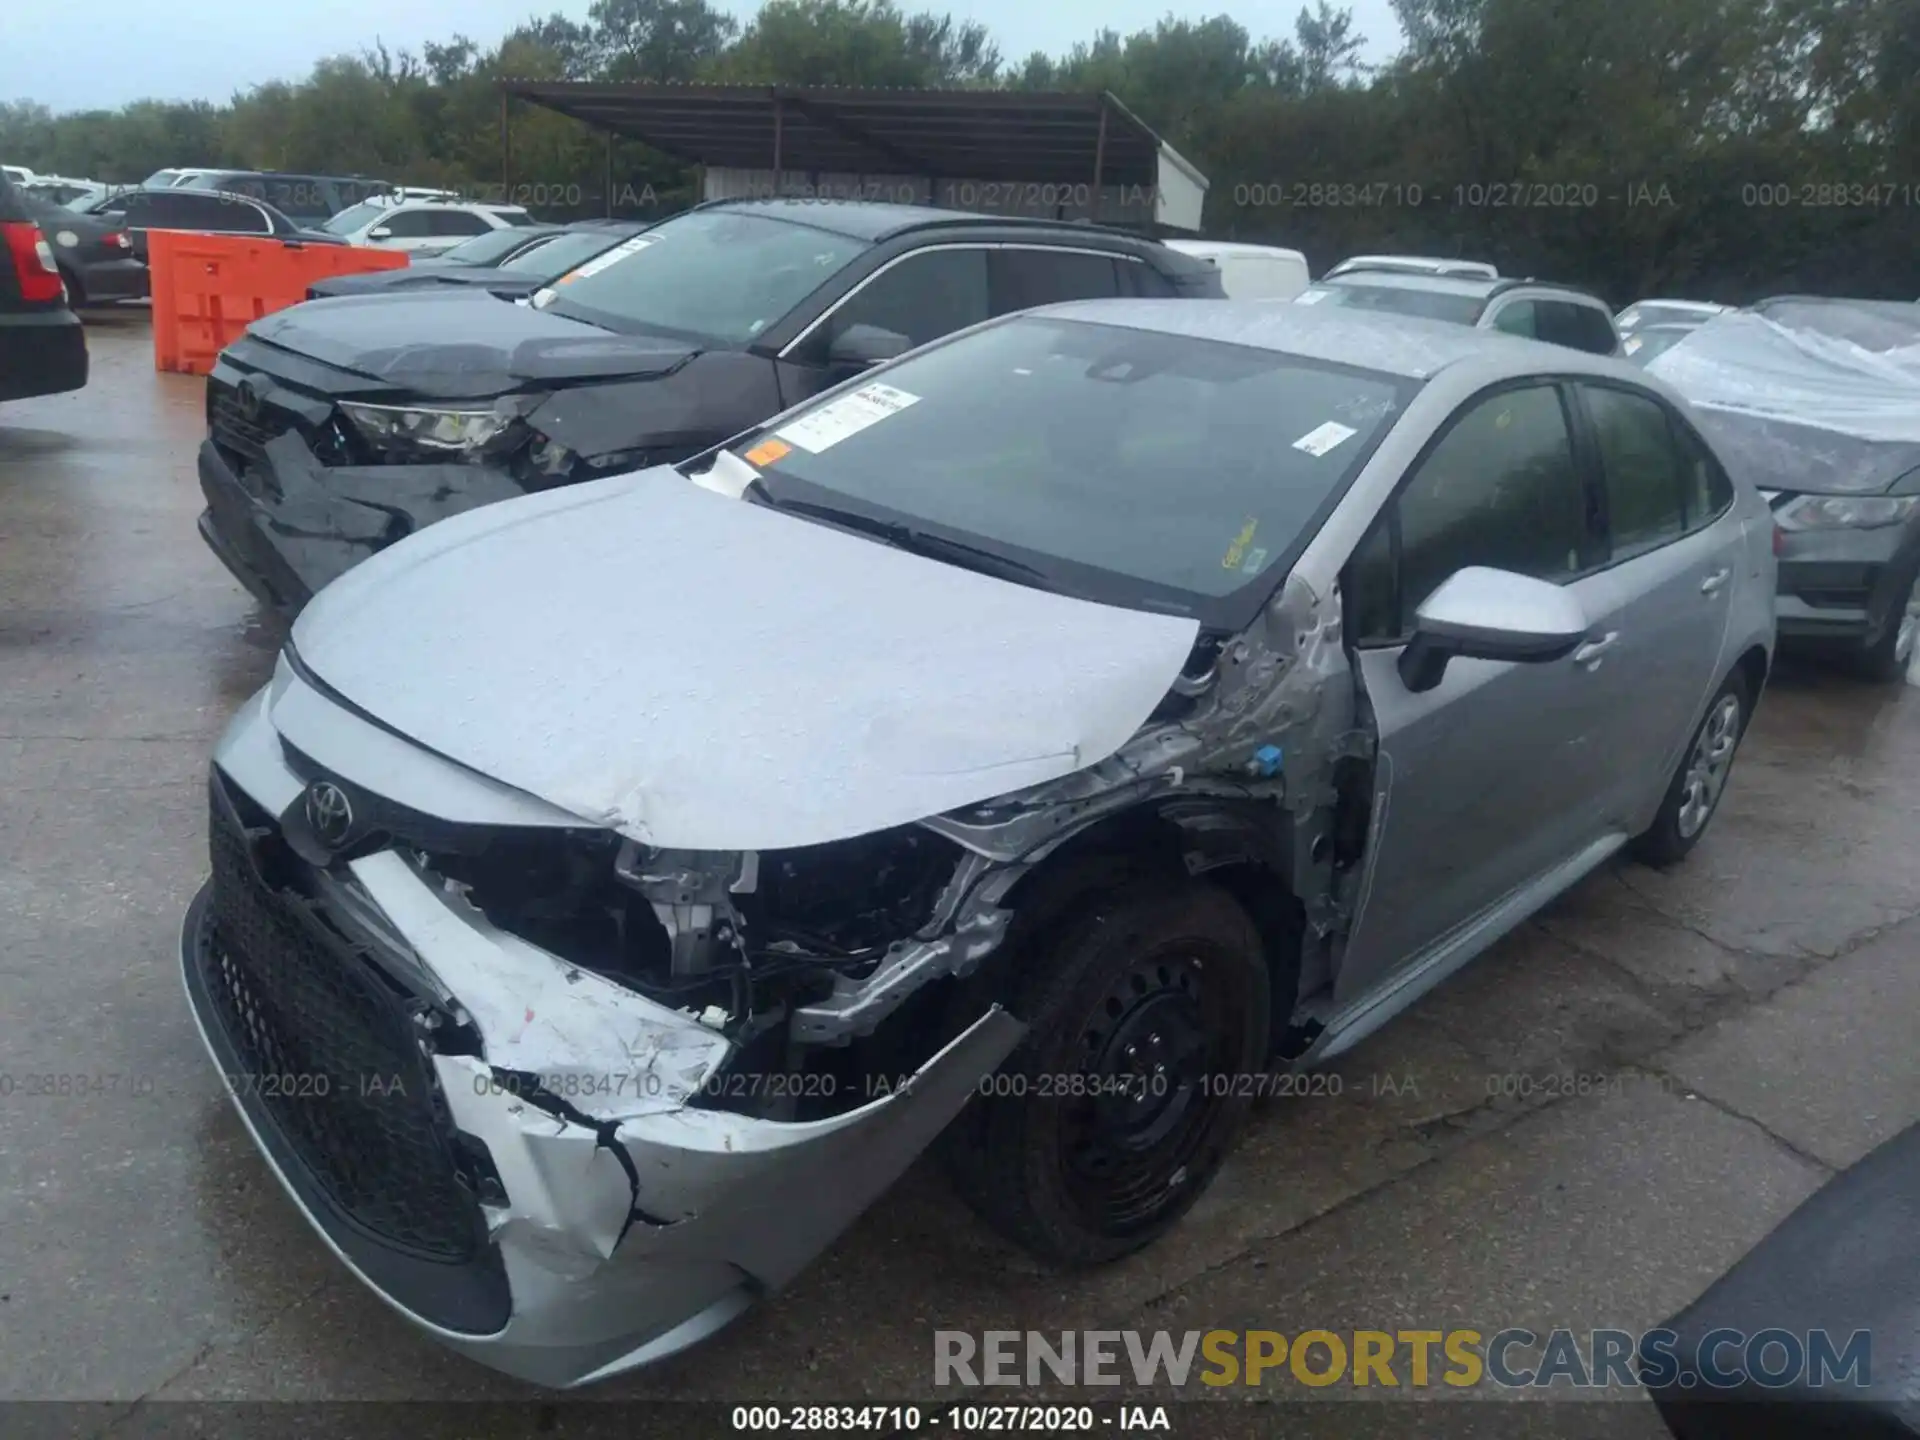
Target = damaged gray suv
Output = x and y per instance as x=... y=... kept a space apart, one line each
x=1036 y=740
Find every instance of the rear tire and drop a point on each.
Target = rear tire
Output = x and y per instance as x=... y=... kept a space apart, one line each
x=76 y=292
x=1111 y=1118
x=1693 y=795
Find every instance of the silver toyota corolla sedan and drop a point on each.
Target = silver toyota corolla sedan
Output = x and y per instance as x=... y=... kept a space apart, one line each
x=1031 y=744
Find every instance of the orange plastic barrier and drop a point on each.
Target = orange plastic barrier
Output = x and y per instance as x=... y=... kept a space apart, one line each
x=208 y=288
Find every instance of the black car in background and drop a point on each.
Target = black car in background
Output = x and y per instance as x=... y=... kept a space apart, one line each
x=551 y=253
x=208 y=212
x=304 y=199
x=94 y=252
x=340 y=426
x=43 y=349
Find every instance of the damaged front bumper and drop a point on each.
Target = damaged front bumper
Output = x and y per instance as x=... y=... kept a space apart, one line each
x=285 y=525
x=507 y=1149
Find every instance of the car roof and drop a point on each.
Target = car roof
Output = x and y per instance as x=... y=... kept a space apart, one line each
x=1391 y=344
x=876 y=220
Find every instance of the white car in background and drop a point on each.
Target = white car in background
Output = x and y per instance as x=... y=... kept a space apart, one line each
x=1415 y=265
x=421 y=227
x=1250 y=272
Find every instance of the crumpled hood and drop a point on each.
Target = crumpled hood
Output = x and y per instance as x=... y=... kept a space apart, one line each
x=701 y=672
x=481 y=345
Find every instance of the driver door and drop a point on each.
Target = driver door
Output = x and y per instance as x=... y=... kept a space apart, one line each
x=1500 y=772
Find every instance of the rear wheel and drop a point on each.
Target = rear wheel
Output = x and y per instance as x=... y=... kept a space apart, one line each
x=76 y=292
x=1693 y=796
x=1115 y=1113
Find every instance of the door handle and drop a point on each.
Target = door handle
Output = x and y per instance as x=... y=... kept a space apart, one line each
x=1589 y=654
x=1711 y=585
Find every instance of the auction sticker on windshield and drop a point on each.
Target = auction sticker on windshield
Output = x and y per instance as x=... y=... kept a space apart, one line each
x=608 y=257
x=1322 y=438
x=849 y=415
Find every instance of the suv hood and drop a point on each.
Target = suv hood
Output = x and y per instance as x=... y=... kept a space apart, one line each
x=699 y=672
x=481 y=345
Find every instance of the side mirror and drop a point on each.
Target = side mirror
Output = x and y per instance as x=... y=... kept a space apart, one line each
x=860 y=347
x=1486 y=614
x=379 y=232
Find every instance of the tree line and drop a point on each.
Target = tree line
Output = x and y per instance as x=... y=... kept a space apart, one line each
x=1721 y=149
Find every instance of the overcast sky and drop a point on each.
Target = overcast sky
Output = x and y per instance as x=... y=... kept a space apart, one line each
x=103 y=53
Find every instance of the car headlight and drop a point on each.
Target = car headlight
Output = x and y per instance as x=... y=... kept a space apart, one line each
x=471 y=434
x=1844 y=512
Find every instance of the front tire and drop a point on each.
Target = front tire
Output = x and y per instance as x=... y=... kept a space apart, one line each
x=1693 y=795
x=1887 y=658
x=1117 y=1109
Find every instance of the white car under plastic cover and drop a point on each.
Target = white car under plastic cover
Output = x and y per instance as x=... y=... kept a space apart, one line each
x=699 y=672
x=1749 y=365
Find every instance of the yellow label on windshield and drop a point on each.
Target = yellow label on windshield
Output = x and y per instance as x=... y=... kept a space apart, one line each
x=1236 y=552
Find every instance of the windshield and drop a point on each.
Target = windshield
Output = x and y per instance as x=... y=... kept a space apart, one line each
x=1445 y=305
x=354 y=216
x=1642 y=345
x=487 y=249
x=1127 y=466
x=1653 y=312
x=554 y=258
x=162 y=177
x=714 y=275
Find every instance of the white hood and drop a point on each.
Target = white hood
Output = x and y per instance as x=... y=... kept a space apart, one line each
x=700 y=672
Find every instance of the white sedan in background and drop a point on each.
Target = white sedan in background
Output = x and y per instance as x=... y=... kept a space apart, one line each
x=425 y=227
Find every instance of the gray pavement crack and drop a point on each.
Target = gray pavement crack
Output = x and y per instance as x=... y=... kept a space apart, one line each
x=205 y=1352
x=1699 y=1096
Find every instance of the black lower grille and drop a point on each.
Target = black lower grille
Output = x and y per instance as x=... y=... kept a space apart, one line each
x=327 y=1047
x=231 y=428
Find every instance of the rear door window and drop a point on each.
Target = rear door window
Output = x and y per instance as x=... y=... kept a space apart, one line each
x=456 y=222
x=1643 y=473
x=1580 y=327
x=1022 y=279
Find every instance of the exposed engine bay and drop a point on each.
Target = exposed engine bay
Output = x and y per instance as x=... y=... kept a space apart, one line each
x=842 y=958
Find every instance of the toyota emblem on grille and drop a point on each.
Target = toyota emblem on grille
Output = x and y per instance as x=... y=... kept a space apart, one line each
x=329 y=813
x=250 y=402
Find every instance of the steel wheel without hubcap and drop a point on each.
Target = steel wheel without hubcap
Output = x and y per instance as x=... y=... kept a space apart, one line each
x=1150 y=1043
x=1708 y=765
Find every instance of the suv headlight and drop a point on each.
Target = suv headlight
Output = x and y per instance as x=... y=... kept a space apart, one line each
x=1844 y=512
x=470 y=434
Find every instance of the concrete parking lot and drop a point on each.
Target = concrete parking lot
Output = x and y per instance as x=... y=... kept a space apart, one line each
x=1739 y=1027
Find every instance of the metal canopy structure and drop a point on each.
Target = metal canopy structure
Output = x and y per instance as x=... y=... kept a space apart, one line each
x=993 y=135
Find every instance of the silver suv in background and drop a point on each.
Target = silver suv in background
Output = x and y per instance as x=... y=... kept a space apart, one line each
x=1554 y=313
x=1089 y=713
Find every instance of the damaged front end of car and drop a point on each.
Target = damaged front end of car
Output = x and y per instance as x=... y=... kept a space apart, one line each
x=572 y=1101
x=332 y=436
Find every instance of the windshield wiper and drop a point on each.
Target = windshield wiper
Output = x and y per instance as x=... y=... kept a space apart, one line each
x=918 y=542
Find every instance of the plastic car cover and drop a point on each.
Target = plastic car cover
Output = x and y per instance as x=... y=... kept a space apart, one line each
x=1748 y=365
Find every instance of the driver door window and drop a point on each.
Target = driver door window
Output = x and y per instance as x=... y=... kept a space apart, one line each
x=406 y=224
x=1501 y=488
x=921 y=297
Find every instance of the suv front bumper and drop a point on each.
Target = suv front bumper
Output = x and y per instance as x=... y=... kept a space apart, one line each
x=558 y=1240
x=1844 y=586
x=285 y=525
